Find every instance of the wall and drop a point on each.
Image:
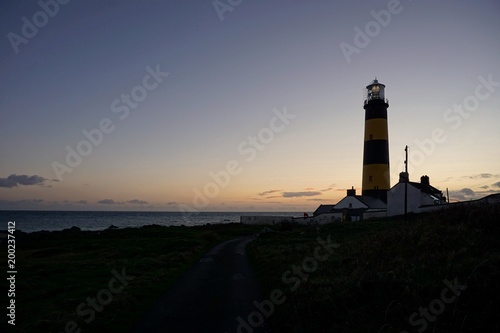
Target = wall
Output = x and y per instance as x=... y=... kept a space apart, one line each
x=374 y=214
x=265 y=220
x=396 y=200
x=273 y=220
x=344 y=203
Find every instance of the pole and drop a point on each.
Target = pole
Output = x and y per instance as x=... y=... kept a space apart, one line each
x=406 y=183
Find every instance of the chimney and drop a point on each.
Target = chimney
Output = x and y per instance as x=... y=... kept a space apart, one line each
x=424 y=180
x=404 y=177
x=351 y=192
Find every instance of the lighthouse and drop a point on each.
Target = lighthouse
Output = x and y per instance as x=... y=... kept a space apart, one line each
x=376 y=176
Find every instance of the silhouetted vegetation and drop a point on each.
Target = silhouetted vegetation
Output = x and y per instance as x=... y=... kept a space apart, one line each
x=57 y=271
x=383 y=272
x=386 y=270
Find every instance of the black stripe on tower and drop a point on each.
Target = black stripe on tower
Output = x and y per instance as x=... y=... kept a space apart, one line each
x=381 y=194
x=376 y=152
x=376 y=112
x=376 y=109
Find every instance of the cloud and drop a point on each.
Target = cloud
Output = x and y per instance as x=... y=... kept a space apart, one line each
x=268 y=192
x=109 y=202
x=172 y=203
x=482 y=176
x=112 y=202
x=485 y=187
x=467 y=191
x=308 y=192
x=497 y=184
x=15 y=180
x=463 y=194
x=300 y=194
x=137 y=202
x=67 y=202
x=20 y=204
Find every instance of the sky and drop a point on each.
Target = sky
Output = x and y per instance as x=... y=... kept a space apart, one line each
x=239 y=105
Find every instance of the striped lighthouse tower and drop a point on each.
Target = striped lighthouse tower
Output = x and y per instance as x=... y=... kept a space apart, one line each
x=376 y=177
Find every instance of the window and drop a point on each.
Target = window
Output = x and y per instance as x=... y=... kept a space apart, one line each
x=370 y=178
x=371 y=136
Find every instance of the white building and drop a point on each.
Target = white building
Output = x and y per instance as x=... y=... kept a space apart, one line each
x=355 y=207
x=420 y=196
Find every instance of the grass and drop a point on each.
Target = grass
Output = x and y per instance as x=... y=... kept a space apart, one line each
x=383 y=272
x=386 y=270
x=58 y=271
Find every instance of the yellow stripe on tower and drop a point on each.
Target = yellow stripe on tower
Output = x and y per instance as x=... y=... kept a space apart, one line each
x=376 y=129
x=376 y=176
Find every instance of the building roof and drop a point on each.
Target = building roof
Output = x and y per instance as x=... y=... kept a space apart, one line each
x=428 y=189
x=323 y=209
x=371 y=202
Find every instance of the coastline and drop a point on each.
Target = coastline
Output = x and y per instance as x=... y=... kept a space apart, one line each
x=59 y=270
x=351 y=284
x=29 y=221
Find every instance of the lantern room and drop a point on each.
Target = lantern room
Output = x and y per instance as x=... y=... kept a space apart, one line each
x=374 y=91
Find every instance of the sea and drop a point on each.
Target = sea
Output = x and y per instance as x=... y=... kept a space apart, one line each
x=32 y=221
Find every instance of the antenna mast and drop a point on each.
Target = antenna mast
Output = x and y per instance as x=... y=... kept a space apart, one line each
x=406 y=182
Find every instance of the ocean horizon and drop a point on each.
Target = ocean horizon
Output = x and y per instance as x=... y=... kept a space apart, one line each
x=32 y=221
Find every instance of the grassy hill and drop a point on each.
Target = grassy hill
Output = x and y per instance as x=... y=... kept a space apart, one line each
x=373 y=276
x=386 y=275
x=59 y=271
